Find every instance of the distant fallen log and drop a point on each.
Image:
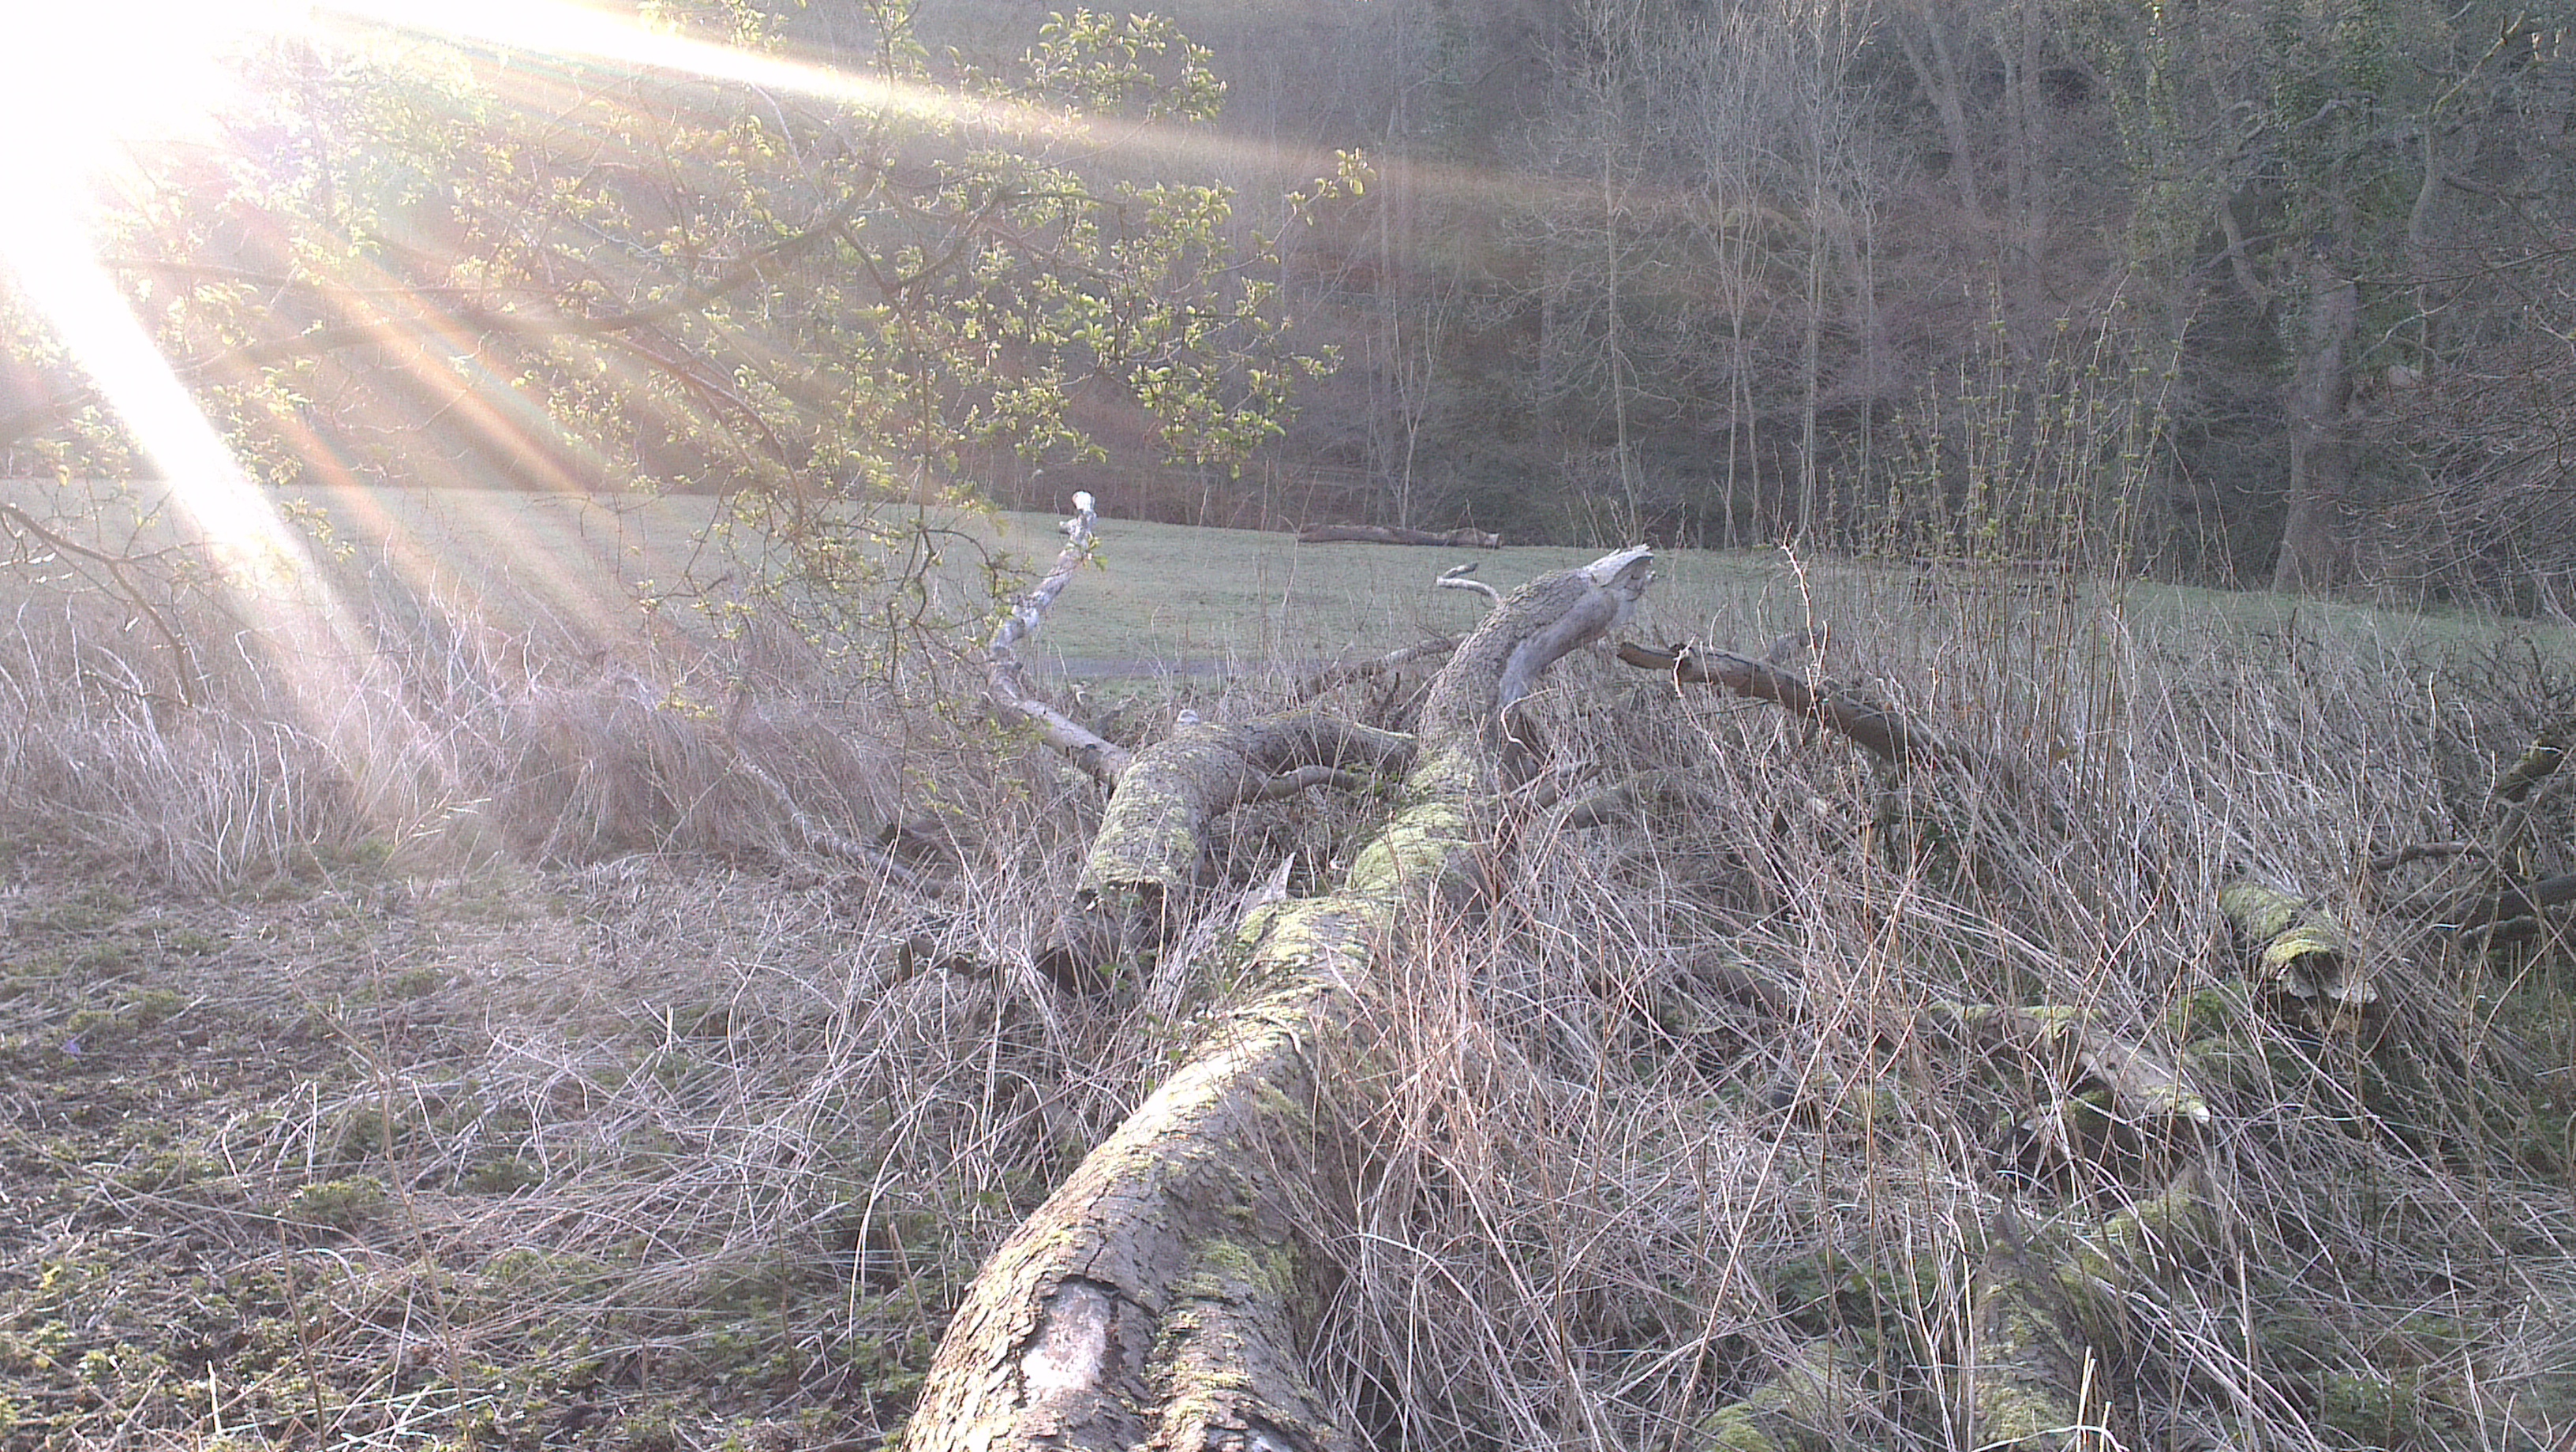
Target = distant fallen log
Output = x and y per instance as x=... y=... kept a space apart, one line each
x=1456 y=539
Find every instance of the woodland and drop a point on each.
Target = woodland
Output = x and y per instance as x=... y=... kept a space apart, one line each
x=2001 y=883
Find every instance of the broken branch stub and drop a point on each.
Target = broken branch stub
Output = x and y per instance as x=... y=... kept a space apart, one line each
x=1161 y=1296
x=2296 y=950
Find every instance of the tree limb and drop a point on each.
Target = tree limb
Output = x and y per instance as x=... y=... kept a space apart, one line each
x=1875 y=727
x=1104 y=760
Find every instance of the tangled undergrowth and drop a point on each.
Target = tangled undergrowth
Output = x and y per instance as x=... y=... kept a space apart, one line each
x=517 y=1059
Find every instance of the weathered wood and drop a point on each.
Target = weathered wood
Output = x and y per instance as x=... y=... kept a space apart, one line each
x=2539 y=762
x=2295 y=949
x=1809 y=1407
x=2145 y=1086
x=2050 y=1314
x=1462 y=577
x=2500 y=904
x=1103 y=759
x=1394 y=660
x=1460 y=539
x=1153 y=1299
x=1159 y=1297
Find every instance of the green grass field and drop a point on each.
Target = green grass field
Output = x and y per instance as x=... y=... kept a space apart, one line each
x=1171 y=597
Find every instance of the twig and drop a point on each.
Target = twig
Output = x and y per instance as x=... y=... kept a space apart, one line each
x=16 y=519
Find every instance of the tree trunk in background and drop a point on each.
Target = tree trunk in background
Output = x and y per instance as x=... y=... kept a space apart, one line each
x=2316 y=536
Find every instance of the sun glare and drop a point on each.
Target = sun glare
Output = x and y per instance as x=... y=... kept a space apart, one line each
x=81 y=82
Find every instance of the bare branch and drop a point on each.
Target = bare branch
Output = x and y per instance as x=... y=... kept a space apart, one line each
x=1103 y=759
x=1337 y=675
x=1456 y=578
x=1874 y=726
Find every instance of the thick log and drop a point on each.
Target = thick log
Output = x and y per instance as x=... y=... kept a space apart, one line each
x=2295 y=949
x=1456 y=539
x=1151 y=848
x=1159 y=1297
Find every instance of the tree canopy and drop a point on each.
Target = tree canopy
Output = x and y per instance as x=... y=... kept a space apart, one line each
x=663 y=252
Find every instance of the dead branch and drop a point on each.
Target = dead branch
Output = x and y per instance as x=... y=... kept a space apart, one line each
x=1103 y=759
x=2144 y=1085
x=1150 y=850
x=1874 y=726
x=820 y=837
x=1457 y=577
x=1339 y=675
x=2540 y=761
x=1159 y=1297
x=2424 y=851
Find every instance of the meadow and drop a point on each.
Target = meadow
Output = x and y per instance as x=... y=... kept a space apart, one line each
x=473 y=1040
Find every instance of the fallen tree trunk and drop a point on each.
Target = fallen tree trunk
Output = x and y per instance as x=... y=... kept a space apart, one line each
x=1456 y=539
x=1159 y=1296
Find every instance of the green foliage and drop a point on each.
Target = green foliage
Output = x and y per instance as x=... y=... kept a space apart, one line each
x=861 y=286
x=344 y=1204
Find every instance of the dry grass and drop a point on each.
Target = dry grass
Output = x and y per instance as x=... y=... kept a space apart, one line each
x=493 y=1062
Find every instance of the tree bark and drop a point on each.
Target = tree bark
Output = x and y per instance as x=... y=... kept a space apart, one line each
x=1159 y=1297
x=1151 y=847
x=2314 y=536
x=2295 y=948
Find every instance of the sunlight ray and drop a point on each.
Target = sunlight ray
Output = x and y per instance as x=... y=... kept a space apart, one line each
x=264 y=563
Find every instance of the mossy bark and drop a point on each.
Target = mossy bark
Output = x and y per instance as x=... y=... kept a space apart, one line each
x=2295 y=948
x=1809 y=1407
x=1151 y=845
x=1159 y=1297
